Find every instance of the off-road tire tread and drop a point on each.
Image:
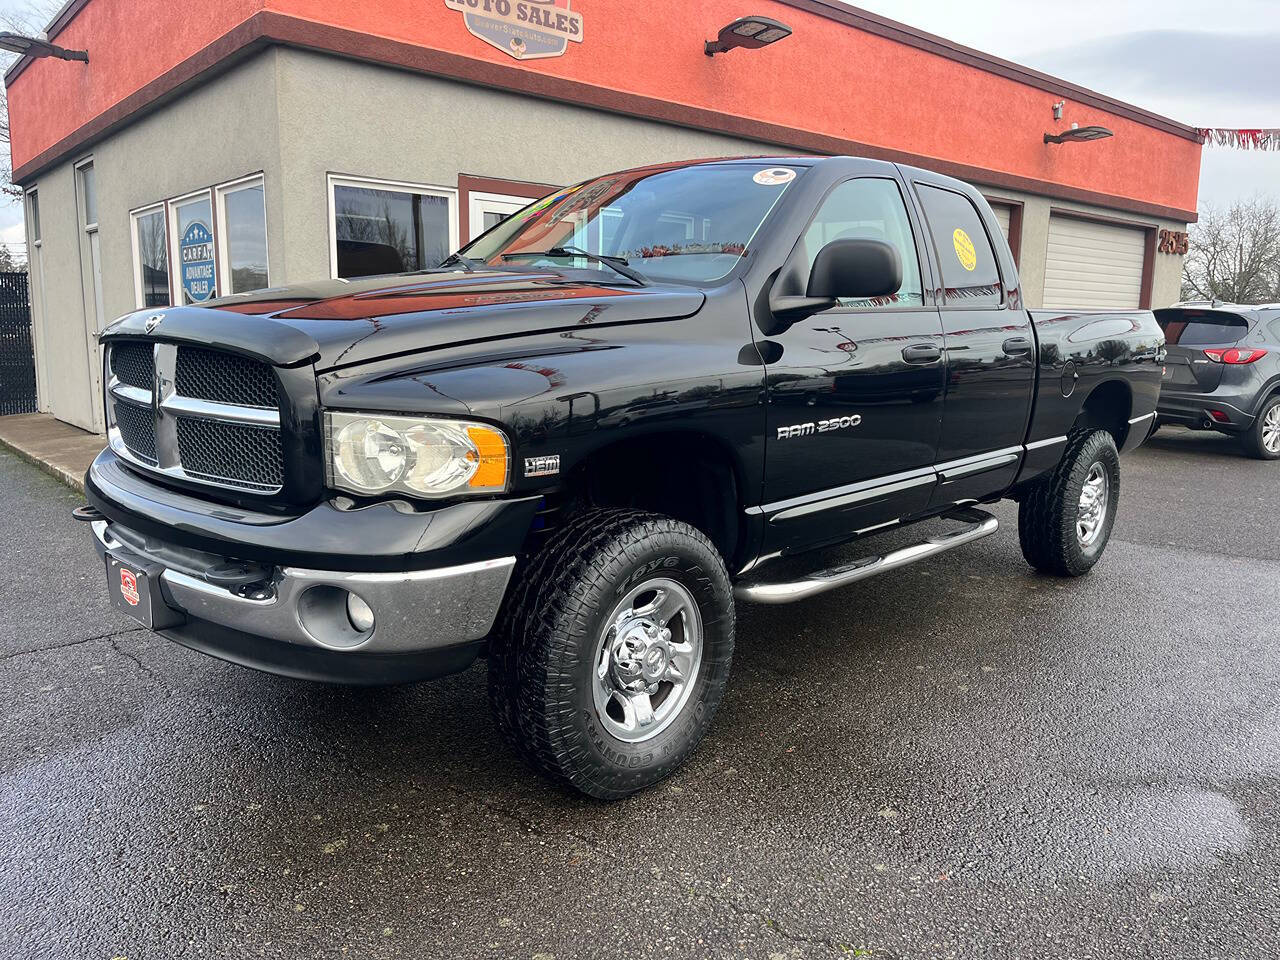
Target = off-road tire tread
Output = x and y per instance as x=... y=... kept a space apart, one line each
x=547 y=600
x=1046 y=532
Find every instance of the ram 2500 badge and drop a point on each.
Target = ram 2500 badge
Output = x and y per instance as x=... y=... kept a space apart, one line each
x=571 y=447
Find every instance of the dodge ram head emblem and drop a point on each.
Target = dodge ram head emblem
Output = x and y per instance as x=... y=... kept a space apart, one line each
x=153 y=321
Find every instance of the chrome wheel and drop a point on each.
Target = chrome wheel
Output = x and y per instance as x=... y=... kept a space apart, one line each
x=647 y=660
x=1093 y=505
x=1271 y=429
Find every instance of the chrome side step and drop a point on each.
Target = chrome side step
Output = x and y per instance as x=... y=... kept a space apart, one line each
x=977 y=524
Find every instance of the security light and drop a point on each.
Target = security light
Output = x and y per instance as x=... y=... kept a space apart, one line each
x=34 y=47
x=748 y=33
x=1078 y=135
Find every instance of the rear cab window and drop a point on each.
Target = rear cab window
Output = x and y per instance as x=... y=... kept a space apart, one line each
x=1192 y=328
x=970 y=275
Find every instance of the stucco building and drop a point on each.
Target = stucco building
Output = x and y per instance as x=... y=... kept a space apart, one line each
x=266 y=142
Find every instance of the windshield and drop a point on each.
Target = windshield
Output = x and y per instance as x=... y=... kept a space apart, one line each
x=690 y=225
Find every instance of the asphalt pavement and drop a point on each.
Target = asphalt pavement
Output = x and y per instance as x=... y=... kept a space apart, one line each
x=958 y=759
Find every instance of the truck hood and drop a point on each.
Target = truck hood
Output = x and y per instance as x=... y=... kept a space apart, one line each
x=336 y=323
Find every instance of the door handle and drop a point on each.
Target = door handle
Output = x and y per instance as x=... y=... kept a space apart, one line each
x=1017 y=346
x=922 y=353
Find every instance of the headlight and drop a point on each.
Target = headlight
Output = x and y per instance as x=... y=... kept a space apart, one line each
x=425 y=457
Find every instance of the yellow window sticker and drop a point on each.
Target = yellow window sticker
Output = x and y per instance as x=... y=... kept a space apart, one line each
x=965 y=251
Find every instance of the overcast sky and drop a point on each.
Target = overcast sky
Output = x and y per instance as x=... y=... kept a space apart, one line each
x=1157 y=54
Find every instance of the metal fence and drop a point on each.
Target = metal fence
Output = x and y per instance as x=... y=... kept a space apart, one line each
x=17 y=358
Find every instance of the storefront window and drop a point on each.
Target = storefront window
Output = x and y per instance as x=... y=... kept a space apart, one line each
x=195 y=272
x=151 y=260
x=390 y=228
x=244 y=223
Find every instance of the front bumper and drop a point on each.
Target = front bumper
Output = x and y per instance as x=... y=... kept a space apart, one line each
x=271 y=592
x=426 y=622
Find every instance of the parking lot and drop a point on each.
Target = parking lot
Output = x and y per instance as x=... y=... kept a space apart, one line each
x=960 y=759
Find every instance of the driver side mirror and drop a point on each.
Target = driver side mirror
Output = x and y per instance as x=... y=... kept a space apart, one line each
x=854 y=269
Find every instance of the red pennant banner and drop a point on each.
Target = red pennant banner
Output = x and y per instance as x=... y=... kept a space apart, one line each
x=1262 y=138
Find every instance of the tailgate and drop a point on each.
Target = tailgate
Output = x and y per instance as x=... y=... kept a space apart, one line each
x=1188 y=333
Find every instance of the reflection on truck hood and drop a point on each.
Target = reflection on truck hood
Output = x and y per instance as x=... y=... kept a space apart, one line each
x=341 y=323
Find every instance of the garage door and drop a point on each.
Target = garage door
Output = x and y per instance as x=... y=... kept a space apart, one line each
x=1090 y=264
x=1002 y=212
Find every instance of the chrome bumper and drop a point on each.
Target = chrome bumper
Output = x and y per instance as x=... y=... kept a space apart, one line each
x=413 y=611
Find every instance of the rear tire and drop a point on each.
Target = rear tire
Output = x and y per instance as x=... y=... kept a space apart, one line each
x=1262 y=440
x=615 y=652
x=1065 y=519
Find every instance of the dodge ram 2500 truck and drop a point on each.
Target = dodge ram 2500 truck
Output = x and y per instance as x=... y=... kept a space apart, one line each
x=571 y=446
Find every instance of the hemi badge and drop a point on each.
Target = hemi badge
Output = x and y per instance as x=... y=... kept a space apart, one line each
x=541 y=466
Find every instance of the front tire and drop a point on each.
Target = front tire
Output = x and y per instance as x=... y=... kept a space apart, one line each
x=615 y=652
x=1262 y=440
x=1065 y=519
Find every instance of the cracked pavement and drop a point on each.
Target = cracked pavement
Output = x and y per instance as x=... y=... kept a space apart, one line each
x=958 y=759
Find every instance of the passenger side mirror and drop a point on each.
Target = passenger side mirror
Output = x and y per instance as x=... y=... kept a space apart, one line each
x=855 y=269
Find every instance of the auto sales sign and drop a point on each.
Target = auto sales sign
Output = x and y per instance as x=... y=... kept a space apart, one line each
x=524 y=29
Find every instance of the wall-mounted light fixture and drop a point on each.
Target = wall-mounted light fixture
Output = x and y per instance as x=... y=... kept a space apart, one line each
x=748 y=33
x=34 y=47
x=1078 y=135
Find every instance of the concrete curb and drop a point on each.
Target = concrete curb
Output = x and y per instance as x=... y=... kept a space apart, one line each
x=71 y=480
x=59 y=449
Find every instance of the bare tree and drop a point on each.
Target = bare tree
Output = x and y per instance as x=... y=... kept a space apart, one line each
x=1235 y=254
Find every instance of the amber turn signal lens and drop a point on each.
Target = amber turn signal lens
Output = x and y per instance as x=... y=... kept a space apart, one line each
x=491 y=451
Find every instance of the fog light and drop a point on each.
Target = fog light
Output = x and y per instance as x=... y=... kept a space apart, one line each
x=359 y=613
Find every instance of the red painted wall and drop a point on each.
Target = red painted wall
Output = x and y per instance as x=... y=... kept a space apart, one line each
x=828 y=78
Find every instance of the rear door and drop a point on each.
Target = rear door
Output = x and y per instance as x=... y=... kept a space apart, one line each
x=990 y=350
x=1188 y=333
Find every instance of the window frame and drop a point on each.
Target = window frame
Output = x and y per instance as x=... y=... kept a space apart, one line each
x=1001 y=280
x=223 y=249
x=33 y=212
x=334 y=180
x=917 y=227
x=175 y=262
x=475 y=198
x=134 y=215
x=82 y=195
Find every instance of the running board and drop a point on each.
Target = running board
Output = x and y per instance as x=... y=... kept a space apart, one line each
x=977 y=524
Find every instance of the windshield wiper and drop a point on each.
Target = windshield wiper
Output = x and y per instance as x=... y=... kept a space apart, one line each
x=617 y=264
x=457 y=259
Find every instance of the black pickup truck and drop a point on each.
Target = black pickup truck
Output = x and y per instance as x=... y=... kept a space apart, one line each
x=572 y=445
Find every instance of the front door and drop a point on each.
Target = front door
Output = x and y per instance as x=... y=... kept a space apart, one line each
x=854 y=393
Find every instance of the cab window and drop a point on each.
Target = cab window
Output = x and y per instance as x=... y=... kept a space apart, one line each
x=869 y=208
x=967 y=259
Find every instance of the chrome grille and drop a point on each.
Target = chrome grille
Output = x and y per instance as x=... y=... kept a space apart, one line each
x=225 y=378
x=133 y=364
x=195 y=414
x=219 y=451
x=137 y=427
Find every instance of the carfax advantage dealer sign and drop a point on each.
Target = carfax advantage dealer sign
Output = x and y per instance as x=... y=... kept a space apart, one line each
x=524 y=29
